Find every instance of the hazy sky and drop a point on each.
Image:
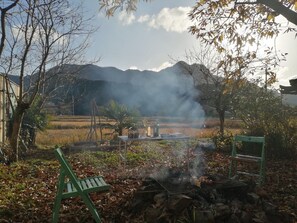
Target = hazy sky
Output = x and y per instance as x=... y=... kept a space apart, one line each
x=156 y=35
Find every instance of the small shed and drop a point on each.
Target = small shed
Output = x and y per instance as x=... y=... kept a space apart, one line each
x=8 y=99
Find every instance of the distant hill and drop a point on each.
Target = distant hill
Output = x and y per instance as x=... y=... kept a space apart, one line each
x=111 y=74
x=170 y=91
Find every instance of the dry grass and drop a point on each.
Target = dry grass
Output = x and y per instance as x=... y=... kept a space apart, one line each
x=61 y=136
x=63 y=122
x=71 y=129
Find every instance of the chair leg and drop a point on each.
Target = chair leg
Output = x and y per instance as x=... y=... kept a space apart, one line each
x=58 y=199
x=232 y=168
x=262 y=173
x=57 y=205
x=87 y=200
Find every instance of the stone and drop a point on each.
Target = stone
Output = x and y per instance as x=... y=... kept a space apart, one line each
x=234 y=219
x=222 y=210
x=160 y=199
x=245 y=217
x=203 y=216
x=178 y=203
x=152 y=214
x=236 y=207
x=253 y=198
x=260 y=217
x=270 y=209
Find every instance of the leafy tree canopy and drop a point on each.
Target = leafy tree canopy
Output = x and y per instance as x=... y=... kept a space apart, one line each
x=218 y=22
x=267 y=8
x=123 y=116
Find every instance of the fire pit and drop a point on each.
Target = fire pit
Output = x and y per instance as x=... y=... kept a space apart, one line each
x=173 y=194
x=175 y=182
x=182 y=182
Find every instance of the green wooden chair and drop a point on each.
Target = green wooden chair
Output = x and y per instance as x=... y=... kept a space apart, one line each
x=256 y=143
x=75 y=187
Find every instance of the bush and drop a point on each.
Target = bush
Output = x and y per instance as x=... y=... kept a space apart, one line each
x=263 y=114
x=222 y=141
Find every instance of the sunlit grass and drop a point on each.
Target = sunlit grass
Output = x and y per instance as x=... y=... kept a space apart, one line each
x=65 y=130
x=61 y=136
x=65 y=122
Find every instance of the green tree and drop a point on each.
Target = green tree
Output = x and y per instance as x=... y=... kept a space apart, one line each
x=263 y=113
x=123 y=116
x=34 y=120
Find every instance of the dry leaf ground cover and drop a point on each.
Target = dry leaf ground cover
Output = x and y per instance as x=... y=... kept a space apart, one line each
x=28 y=188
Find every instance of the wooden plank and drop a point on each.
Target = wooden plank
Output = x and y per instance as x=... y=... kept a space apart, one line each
x=69 y=187
x=93 y=182
x=88 y=183
x=246 y=158
x=102 y=181
x=83 y=184
x=98 y=181
x=249 y=174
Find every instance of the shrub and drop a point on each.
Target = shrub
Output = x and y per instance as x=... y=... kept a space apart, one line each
x=263 y=114
x=222 y=141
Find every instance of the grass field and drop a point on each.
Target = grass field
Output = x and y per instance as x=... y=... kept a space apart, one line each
x=71 y=129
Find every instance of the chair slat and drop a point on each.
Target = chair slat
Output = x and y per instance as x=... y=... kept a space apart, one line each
x=102 y=181
x=69 y=187
x=83 y=184
x=98 y=181
x=93 y=182
x=89 y=184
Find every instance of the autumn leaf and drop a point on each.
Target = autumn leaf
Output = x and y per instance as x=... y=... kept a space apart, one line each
x=221 y=37
x=270 y=17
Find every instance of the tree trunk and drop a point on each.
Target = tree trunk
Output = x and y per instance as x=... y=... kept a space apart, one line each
x=15 y=131
x=222 y=121
x=120 y=131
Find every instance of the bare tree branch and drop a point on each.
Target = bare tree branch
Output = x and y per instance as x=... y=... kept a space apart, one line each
x=3 y=20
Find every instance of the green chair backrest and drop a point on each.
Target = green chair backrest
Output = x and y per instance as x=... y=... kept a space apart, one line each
x=260 y=140
x=66 y=168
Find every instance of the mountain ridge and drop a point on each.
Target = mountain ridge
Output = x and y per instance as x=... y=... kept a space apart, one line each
x=149 y=91
x=153 y=93
x=95 y=72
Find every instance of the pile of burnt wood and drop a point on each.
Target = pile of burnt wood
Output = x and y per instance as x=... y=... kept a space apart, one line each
x=179 y=197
